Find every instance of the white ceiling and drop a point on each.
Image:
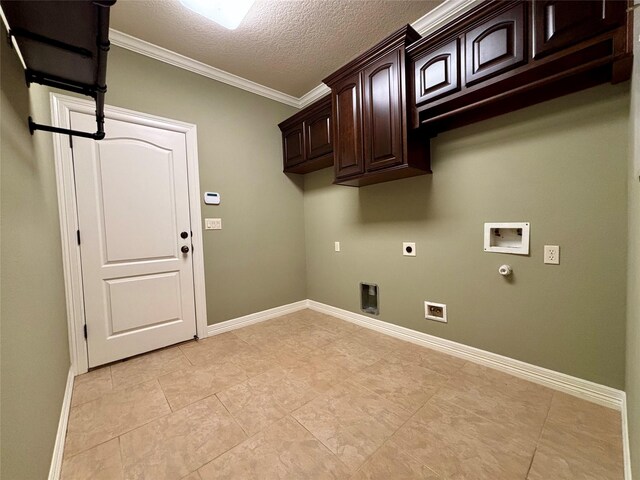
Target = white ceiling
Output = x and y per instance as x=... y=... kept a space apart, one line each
x=287 y=45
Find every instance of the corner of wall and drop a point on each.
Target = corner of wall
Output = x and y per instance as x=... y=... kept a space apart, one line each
x=632 y=384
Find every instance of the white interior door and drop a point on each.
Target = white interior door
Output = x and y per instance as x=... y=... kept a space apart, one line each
x=135 y=230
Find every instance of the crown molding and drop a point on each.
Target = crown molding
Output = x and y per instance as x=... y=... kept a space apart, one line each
x=425 y=25
x=314 y=94
x=442 y=14
x=172 y=58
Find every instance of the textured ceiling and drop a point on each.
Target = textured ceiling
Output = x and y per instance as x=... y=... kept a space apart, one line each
x=288 y=45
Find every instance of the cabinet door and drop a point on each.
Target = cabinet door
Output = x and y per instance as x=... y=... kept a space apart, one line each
x=437 y=73
x=347 y=96
x=382 y=109
x=293 y=145
x=496 y=45
x=318 y=134
x=558 y=24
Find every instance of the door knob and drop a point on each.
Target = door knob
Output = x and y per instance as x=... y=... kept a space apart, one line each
x=184 y=235
x=184 y=249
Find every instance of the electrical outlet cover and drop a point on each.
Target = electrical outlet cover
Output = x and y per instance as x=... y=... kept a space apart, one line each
x=552 y=254
x=409 y=249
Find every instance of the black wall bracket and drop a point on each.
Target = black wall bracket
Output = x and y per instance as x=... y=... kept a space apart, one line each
x=98 y=135
x=41 y=51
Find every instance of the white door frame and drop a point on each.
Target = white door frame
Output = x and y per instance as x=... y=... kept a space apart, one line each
x=61 y=108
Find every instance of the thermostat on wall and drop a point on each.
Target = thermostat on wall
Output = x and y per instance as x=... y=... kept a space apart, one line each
x=212 y=198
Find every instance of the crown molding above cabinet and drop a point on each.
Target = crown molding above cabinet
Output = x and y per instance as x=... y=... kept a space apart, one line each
x=429 y=22
x=496 y=57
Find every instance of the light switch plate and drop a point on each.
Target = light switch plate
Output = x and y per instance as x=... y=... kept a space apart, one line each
x=213 y=224
x=336 y=246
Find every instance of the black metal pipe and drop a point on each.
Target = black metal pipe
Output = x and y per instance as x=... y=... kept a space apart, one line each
x=33 y=126
x=96 y=91
x=58 y=82
x=103 y=50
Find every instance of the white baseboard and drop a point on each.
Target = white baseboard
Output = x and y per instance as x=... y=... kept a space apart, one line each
x=584 y=389
x=58 y=447
x=626 y=448
x=257 y=317
x=600 y=394
x=590 y=391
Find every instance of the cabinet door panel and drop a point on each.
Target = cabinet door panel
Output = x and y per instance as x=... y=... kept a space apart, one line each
x=318 y=134
x=292 y=144
x=383 y=113
x=348 y=127
x=558 y=24
x=437 y=73
x=496 y=45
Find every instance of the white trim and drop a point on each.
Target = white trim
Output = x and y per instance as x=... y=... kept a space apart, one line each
x=442 y=14
x=197 y=240
x=426 y=24
x=177 y=60
x=61 y=108
x=61 y=435
x=313 y=95
x=626 y=448
x=257 y=317
x=71 y=262
x=593 y=392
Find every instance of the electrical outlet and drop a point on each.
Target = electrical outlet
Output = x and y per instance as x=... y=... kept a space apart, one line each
x=409 y=249
x=552 y=254
x=435 y=311
x=336 y=246
x=213 y=224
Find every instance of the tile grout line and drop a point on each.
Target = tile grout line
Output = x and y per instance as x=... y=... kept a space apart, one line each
x=535 y=450
x=125 y=432
x=397 y=430
x=234 y=419
x=320 y=442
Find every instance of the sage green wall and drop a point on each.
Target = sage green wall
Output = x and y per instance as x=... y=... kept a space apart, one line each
x=633 y=287
x=254 y=263
x=561 y=166
x=34 y=362
x=257 y=260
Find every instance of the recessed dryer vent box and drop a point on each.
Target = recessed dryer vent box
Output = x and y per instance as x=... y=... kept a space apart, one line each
x=506 y=238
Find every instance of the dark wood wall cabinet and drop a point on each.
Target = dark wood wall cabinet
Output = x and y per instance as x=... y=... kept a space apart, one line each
x=505 y=55
x=500 y=56
x=371 y=139
x=307 y=138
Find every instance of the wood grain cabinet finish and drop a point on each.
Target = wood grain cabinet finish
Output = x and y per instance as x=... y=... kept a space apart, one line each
x=558 y=24
x=515 y=53
x=370 y=116
x=318 y=133
x=437 y=73
x=382 y=111
x=496 y=45
x=347 y=98
x=293 y=145
x=307 y=138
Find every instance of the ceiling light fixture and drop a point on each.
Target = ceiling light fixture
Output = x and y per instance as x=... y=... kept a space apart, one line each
x=228 y=13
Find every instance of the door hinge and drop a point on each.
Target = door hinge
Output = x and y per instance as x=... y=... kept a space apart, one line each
x=71 y=141
x=85 y=331
x=78 y=235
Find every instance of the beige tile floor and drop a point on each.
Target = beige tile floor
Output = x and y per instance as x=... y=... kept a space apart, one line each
x=308 y=396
